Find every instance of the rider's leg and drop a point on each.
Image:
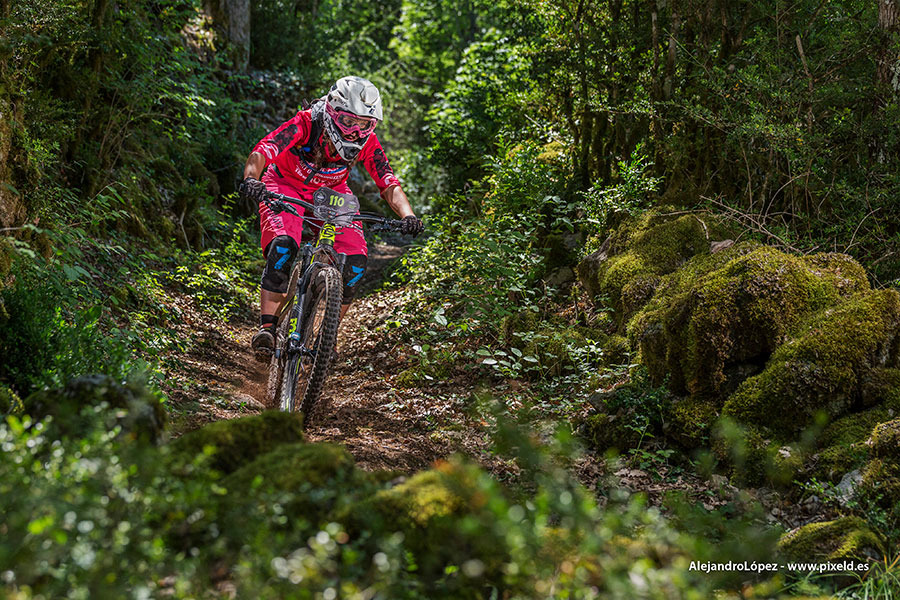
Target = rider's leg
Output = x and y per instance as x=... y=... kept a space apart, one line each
x=350 y=241
x=280 y=236
x=280 y=256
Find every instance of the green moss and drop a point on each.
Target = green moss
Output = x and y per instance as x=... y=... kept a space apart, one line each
x=847 y=537
x=822 y=366
x=842 y=442
x=881 y=485
x=882 y=385
x=886 y=440
x=521 y=322
x=712 y=323
x=313 y=482
x=603 y=431
x=6 y=255
x=754 y=457
x=689 y=421
x=408 y=378
x=237 y=442
x=641 y=250
x=616 y=350
x=445 y=519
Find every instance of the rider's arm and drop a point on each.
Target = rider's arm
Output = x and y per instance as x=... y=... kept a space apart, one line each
x=398 y=201
x=255 y=165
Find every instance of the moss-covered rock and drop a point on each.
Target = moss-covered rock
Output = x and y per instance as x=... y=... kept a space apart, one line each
x=236 y=442
x=445 y=519
x=616 y=350
x=881 y=485
x=625 y=416
x=886 y=440
x=844 y=538
x=823 y=366
x=98 y=401
x=842 y=445
x=312 y=481
x=689 y=421
x=718 y=319
x=626 y=270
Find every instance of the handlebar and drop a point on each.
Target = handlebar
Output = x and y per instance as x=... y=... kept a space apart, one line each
x=280 y=203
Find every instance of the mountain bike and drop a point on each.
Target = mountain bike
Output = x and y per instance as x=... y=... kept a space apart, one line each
x=306 y=331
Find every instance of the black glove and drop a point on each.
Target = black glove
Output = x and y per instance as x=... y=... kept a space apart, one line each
x=411 y=226
x=253 y=190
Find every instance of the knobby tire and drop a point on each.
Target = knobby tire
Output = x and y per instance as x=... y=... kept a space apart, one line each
x=321 y=333
x=274 y=396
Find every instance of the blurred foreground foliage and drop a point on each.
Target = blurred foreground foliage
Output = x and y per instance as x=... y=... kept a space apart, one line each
x=99 y=509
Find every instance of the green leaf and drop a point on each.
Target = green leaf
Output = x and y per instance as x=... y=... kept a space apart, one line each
x=38 y=526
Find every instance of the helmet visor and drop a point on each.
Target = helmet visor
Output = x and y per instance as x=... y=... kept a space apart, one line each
x=352 y=127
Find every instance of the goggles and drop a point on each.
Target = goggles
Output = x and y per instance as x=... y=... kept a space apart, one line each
x=350 y=124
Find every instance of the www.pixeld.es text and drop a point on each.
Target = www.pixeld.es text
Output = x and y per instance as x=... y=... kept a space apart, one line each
x=762 y=567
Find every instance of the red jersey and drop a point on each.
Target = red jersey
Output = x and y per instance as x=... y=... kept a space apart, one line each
x=283 y=149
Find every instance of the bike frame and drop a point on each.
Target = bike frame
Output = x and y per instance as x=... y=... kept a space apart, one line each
x=308 y=253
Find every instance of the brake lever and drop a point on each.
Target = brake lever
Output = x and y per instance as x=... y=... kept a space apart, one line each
x=279 y=206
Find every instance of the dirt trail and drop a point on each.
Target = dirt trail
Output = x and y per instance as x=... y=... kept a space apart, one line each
x=382 y=425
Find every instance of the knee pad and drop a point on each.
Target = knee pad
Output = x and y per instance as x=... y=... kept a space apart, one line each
x=354 y=267
x=282 y=251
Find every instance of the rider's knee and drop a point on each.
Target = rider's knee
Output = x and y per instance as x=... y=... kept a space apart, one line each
x=354 y=267
x=279 y=259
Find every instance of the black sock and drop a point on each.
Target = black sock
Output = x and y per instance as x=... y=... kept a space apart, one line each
x=268 y=322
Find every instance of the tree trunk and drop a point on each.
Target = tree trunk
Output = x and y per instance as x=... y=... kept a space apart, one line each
x=889 y=23
x=231 y=20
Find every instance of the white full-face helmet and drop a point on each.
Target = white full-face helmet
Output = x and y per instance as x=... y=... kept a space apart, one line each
x=352 y=110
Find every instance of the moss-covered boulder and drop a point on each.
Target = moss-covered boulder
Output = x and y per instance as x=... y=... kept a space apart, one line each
x=844 y=538
x=624 y=417
x=886 y=440
x=718 y=319
x=237 y=442
x=880 y=486
x=842 y=445
x=98 y=401
x=625 y=271
x=689 y=421
x=445 y=520
x=311 y=481
x=823 y=366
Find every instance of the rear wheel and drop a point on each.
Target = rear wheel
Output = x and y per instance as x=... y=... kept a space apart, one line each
x=277 y=362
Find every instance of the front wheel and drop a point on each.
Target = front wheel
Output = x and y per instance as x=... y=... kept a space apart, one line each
x=319 y=336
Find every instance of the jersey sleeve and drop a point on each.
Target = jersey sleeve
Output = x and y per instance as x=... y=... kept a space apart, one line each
x=287 y=135
x=376 y=163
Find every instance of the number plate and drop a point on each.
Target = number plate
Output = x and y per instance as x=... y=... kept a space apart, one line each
x=335 y=207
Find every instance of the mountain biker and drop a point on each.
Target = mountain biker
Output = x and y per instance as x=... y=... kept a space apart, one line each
x=343 y=124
